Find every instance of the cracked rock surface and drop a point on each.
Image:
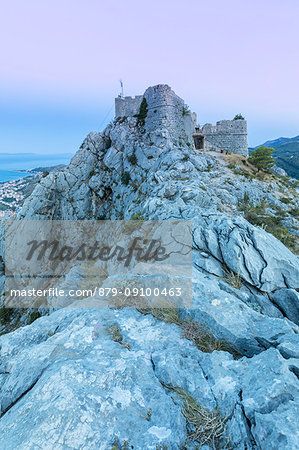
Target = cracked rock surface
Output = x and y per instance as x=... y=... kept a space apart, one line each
x=66 y=384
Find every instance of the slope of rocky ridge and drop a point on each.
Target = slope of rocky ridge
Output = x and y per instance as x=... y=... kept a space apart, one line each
x=68 y=381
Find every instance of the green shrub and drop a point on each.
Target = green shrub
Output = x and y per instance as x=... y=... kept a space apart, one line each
x=289 y=240
x=231 y=166
x=261 y=158
x=5 y=315
x=117 y=446
x=141 y=116
x=185 y=158
x=246 y=198
x=125 y=178
x=186 y=110
x=272 y=225
x=239 y=117
x=122 y=120
x=258 y=220
x=33 y=316
x=244 y=173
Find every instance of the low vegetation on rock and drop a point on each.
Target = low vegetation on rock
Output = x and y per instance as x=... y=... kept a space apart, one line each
x=141 y=116
x=206 y=427
x=194 y=331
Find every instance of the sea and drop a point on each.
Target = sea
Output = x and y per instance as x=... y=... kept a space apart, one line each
x=11 y=163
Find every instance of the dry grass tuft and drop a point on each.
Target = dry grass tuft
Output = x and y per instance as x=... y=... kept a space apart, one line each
x=203 y=338
x=167 y=314
x=233 y=279
x=208 y=427
x=194 y=331
x=246 y=168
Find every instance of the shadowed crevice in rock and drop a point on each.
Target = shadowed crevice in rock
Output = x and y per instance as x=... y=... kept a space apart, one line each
x=11 y=405
x=295 y=370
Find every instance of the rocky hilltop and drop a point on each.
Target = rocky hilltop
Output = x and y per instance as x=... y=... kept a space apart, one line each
x=222 y=374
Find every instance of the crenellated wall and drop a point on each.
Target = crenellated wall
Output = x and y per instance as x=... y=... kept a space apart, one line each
x=127 y=106
x=227 y=135
x=166 y=111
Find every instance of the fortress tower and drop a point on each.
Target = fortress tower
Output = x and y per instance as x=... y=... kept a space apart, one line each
x=167 y=110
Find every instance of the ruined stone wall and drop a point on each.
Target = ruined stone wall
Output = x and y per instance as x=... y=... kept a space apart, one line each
x=127 y=106
x=166 y=114
x=227 y=135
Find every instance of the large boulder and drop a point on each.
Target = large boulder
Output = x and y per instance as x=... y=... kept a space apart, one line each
x=256 y=256
x=231 y=317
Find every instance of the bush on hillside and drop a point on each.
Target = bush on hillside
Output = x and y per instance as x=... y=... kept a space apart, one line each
x=261 y=158
x=141 y=116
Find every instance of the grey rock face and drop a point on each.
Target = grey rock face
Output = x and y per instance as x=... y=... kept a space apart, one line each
x=82 y=381
x=231 y=317
x=267 y=400
x=288 y=301
x=278 y=171
x=289 y=346
x=258 y=258
x=64 y=381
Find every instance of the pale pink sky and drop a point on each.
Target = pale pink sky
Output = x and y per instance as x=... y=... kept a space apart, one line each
x=61 y=62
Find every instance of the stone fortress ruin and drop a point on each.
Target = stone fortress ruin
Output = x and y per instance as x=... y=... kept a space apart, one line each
x=166 y=109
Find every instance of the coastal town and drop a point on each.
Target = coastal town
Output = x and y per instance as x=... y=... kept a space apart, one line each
x=13 y=193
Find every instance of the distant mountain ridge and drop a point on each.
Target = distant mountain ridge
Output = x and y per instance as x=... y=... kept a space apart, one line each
x=286 y=154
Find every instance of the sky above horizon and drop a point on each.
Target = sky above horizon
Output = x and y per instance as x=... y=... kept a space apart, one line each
x=61 y=62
